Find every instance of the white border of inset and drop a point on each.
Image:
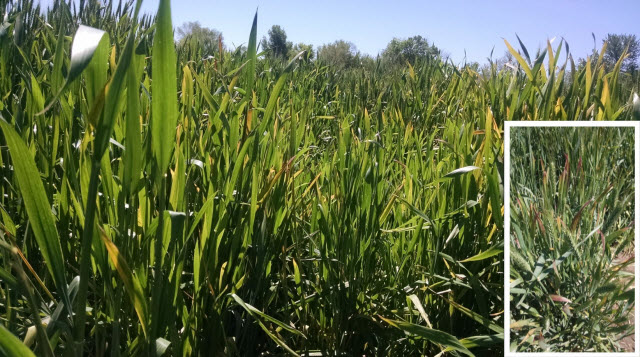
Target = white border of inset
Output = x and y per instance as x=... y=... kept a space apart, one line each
x=507 y=229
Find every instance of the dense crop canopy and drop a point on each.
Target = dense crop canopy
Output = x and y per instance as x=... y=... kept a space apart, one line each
x=572 y=238
x=153 y=201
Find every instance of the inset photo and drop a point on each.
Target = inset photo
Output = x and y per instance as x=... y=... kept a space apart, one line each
x=570 y=204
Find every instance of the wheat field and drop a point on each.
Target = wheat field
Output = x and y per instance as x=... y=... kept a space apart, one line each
x=154 y=202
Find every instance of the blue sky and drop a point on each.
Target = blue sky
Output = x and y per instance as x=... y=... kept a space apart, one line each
x=454 y=25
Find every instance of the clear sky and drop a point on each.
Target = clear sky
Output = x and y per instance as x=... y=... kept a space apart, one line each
x=453 y=25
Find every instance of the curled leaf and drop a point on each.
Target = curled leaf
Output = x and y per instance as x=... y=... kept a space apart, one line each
x=558 y=298
x=84 y=45
x=460 y=171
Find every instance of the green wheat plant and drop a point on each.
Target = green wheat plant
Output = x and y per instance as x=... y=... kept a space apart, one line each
x=572 y=238
x=154 y=202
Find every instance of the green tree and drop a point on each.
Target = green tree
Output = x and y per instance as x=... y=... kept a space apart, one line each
x=616 y=45
x=339 y=54
x=367 y=62
x=276 y=42
x=400 y=51
x=299 y=47
x=193 y=35
x=506 y=59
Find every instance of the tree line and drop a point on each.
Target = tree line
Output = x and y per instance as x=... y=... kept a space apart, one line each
x=343 y=55
x=340 y=54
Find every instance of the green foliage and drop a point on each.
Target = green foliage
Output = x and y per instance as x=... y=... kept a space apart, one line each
x=299 y=47
x=245 y=205
x=412 y=49
x=276 y=43
x=571 y=238
x=197 y=41
x=339 y=54
x=11 y=345
x=617 y=45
